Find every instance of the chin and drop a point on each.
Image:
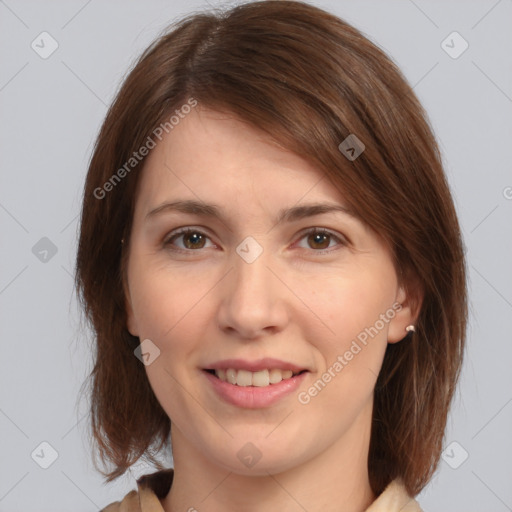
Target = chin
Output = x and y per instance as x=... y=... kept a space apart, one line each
x=252 y=462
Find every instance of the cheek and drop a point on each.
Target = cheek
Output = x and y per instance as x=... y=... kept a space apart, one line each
x=348 y=305
x=163 y=299
x=169 y=312
x=349 y=357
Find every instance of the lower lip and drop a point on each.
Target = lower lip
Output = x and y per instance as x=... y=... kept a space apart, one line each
x=253 y=397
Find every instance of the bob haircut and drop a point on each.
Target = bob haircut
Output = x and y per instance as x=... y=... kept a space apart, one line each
x=308 y=80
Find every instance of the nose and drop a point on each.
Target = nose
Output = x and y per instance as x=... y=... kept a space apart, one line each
x=253 y=298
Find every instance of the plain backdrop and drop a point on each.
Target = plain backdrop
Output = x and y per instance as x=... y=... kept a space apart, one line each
x=51 y=109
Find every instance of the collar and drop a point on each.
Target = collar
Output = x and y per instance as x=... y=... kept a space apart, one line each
x=155 y=486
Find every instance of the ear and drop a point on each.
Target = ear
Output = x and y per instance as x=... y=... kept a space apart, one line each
x=131 y=323
x=410 y=306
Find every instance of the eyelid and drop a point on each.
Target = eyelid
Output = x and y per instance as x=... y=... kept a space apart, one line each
x=318 y=229
x=175 y=233
x=342 y=239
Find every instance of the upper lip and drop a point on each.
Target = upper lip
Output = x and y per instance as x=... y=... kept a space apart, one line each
x=267 y=363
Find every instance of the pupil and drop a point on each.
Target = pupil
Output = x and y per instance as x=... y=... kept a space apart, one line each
x=318 y=237
x=195 y=238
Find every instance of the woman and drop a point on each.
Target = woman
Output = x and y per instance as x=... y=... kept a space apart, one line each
x=272 y=264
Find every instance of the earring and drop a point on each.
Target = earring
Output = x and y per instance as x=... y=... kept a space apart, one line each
x=122 y=240
x=410 y=328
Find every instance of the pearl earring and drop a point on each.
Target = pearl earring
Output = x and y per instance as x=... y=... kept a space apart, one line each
x=410 y=328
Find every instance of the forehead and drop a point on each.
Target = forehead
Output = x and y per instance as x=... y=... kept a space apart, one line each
x=211 y=154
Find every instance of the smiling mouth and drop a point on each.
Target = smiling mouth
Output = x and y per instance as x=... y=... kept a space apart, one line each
x=245 y=378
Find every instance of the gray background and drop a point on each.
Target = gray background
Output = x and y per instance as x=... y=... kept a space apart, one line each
x=51 y=110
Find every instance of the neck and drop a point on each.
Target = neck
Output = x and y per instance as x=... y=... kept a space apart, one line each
x=336 y=479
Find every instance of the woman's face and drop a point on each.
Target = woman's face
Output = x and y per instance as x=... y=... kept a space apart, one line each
x=256 y=289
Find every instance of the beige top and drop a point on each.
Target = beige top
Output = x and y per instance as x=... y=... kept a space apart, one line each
x=155 y=486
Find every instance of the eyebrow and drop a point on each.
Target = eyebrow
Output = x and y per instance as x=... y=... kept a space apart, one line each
x=292 y=214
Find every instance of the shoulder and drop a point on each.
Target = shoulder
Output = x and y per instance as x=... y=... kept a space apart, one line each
x=130 y=503
x=150 y=489
x=395 y=498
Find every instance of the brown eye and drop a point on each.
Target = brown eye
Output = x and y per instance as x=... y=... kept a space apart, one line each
x=192 y=239
x=320 y=240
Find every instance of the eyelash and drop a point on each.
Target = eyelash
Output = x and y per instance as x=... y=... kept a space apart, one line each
x=187 y=231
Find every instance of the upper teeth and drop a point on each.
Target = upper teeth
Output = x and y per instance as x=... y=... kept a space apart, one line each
x=247 y=378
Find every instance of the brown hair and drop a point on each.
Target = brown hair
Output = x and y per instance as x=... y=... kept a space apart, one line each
x=308 y=79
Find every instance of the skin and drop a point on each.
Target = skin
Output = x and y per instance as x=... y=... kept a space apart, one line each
x=292 y=303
